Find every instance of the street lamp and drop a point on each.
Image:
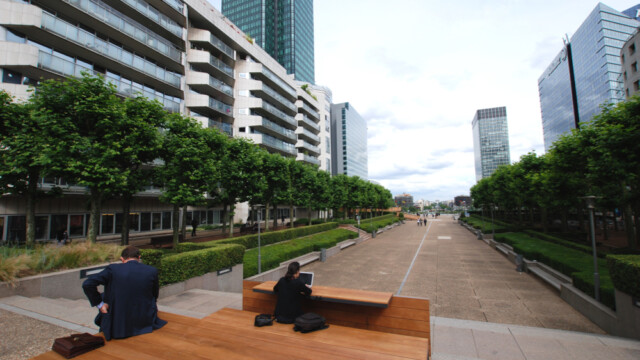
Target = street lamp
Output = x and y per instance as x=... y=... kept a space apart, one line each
x=596 y=277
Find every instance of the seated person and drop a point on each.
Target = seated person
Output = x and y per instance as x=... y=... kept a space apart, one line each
x=128 y=304
x=290 y=290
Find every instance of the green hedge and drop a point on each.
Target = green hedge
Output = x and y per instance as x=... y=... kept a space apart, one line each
x=184 y=266
x=477 y=223
x=570 y=244
x=151 y=257
x=625 y=273
x=273 y=255
x=369 y=225
x=573 y=263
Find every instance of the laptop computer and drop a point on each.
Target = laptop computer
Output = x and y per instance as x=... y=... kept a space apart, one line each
x=306 y=277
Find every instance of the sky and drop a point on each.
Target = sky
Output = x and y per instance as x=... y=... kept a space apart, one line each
x=417 y=71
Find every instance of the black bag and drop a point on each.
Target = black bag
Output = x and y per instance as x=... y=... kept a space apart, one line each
x=76 y=344
x=309 y=322
x=263 y=320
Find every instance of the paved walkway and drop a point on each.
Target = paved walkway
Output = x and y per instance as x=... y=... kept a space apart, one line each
x=481 y=307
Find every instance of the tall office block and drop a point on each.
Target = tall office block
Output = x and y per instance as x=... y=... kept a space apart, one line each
x=284 y=28
x=490 y=140
x=325 y=98
x=586 y=73
x=349 y=146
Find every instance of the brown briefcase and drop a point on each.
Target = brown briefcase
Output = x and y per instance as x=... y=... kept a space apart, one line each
x=76 y=344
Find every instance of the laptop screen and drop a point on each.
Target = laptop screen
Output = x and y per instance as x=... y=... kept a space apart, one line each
x=307 y=278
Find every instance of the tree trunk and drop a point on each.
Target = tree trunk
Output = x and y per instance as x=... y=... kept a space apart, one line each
x=232 y=210
x=275 y=216
x=266 y=217
x=224 y=218
x=605 y=229
x=183 y=223
x=124 y=232
x=92 y=232
x=32 y=192
x=175 y=225
x=309 y=212
x=291 y=215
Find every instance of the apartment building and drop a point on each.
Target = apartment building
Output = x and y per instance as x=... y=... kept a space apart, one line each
x=185 y=54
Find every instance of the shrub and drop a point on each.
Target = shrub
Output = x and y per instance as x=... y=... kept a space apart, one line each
x=273 y=255
x=272 y=237
x=573 y=263
x=151 y=257
x=183 y=266
x=376 y=223
x=625 y=273
x=570 y=244
x=10 y=267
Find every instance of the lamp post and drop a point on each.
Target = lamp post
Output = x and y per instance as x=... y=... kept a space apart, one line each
x=596 y=277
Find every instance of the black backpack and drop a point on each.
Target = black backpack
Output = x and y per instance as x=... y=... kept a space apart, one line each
x=309 y=322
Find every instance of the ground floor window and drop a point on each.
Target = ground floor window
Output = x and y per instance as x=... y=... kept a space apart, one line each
x=17 y=229
x=166 y=220
x=2 y=237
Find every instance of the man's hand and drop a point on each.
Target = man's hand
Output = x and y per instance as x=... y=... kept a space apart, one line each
x=104 y=309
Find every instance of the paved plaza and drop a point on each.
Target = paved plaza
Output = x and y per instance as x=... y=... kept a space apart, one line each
x=481 y=308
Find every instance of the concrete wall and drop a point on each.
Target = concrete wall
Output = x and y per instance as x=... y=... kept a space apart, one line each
x=68 y=284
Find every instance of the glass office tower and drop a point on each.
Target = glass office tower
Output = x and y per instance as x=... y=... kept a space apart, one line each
x=284 y=28
x=349 y=146
x=490 y=140
x=586 y=73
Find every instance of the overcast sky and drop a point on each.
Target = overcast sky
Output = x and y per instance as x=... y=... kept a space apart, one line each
x=417 y=71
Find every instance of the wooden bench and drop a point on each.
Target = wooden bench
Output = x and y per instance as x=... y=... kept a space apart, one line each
x=230 y=334
x=403 y=315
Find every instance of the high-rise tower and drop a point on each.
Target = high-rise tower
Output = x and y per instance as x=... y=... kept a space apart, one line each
x=490 y=140
x=284 y=28
x=349 y=146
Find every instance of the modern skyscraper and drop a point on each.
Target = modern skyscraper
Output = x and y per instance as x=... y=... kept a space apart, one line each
x=490 y=140
x=586 y=73
x=284 y=28
x=349 y=142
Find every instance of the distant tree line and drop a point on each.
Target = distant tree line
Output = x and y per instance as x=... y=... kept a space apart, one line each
x=80 y=130
x=601 y=158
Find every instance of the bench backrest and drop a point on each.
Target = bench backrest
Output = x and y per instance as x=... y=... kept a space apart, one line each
x=404 y=315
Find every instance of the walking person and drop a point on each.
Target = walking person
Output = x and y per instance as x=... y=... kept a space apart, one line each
x=194 y=226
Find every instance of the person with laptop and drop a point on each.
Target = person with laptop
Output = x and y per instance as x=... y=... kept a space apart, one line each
x=290 y=290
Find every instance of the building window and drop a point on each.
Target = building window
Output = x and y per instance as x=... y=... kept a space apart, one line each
x=634 y=67
x=625 y=75
x=622 y=58
x=632 y=49
x=636 y=85
x=11 y=77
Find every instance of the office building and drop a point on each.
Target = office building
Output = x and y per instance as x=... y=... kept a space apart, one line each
x=324 y=96
x=349 y=146
x=630 y=56
x=185 y=54
x=284 y=28
x=403 y=200
x=490 y=140
x=586 y=73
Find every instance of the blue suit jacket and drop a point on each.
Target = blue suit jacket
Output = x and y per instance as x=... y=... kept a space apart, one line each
x=130 y=290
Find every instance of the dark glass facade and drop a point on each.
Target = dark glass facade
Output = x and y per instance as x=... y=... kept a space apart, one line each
x=595 y=50
x=349 y=154
x=283 y=28
x=490 y=141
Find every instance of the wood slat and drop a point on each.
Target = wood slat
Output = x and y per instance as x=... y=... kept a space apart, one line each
x=364 y=297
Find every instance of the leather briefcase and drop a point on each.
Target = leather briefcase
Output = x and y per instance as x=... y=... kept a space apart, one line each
x=76 y=344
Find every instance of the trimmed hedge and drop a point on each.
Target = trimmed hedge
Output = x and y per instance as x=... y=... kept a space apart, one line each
x=369 y=225
x=570 y=244
x=273 y=255
x=184 y=266
x=271 y=237
x=477 y=223
x=151 y=257
x=573 y=263
x=625 y=273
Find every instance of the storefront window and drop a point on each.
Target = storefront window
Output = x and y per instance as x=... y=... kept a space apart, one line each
x=119 y=220
x=107 y=224
x=166 y=220
x=17 y=229
x=145 y=221
x=134 y=221
x=156 y=221
x=2 y=228
x=76 y=225
x=42 y=227
x=58 y=224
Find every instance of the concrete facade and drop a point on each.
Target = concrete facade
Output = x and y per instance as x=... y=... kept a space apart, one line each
x=630 y=56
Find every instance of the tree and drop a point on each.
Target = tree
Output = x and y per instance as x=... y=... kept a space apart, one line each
x=273 y=172
x=189 y=165
x=80 y=117
x=23 y=156
x=141 y=142
x=339 y=194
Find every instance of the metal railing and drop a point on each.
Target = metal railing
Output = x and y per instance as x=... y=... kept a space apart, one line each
x=152 y=13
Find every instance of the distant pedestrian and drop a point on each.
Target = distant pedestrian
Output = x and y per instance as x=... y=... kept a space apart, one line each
x=194 y=226
x=282 y=219
x=62 y=236
x=419 y=222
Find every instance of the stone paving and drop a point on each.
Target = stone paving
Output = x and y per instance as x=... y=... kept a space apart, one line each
x=463 y=277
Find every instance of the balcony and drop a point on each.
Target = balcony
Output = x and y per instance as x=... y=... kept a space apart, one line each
x=307 y=109
x=126 y=31
x=272 y=144
x=304 y=120
x=206 y=105
x=207 y=84
x=155 y=18
x=274 y=80
x=266 y=126
x=206 y=39
x=304 y=146
x=273 y=96
x=203 y=61
x=275 y=113
x=307 y=135
x=308 y=159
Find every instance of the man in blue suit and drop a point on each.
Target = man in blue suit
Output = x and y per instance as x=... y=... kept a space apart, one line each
x=128 y=304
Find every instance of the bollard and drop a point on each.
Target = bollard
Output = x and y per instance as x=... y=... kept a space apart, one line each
x=323 y=255
x=373 y=233
x=479 y=235
x=519 y=263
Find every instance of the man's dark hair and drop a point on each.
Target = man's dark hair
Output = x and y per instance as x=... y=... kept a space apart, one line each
x=130 y=252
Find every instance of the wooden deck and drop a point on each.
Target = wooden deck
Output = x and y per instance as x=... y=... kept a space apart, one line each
x=230 y=334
